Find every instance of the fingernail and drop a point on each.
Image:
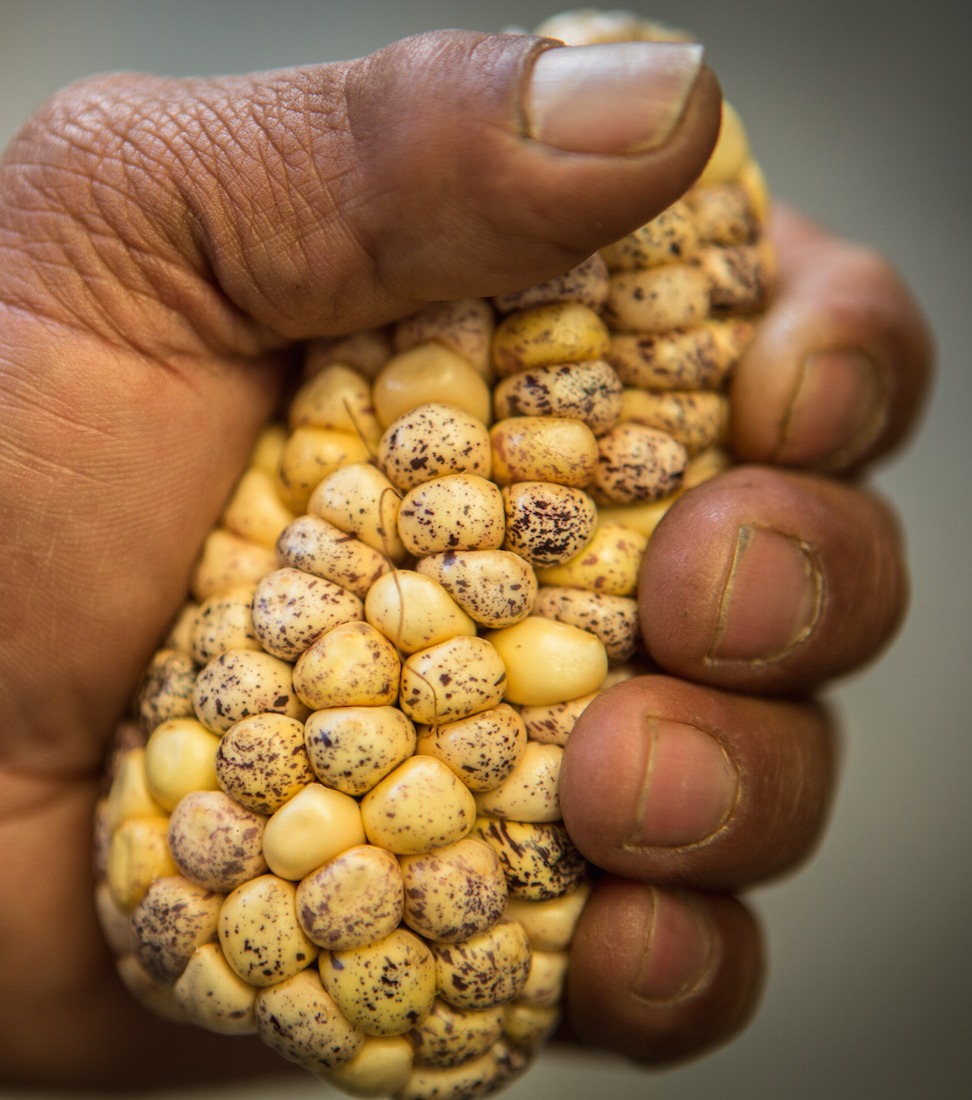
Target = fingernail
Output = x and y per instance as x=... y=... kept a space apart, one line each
x=679 y=951
x=838 y=408
x=622 y=97
x=689 y=789
x=772 y=598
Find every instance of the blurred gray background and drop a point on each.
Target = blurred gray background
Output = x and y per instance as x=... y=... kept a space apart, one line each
x=859 y=112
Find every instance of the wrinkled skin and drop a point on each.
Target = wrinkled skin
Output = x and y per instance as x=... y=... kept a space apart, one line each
x=165 y=246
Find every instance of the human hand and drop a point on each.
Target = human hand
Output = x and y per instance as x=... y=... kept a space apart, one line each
x=167 y=244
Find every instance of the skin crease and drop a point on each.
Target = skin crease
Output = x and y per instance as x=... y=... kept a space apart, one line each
x=161 y=329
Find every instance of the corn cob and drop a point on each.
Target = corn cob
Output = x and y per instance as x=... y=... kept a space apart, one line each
x=332 y=819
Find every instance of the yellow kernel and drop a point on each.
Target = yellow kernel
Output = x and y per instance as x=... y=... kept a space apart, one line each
x=180 y=756
x=314 y=826
x=414 y=611
x=543 y=448
x=351 y=665
x=430 y=372
x=548 y=662
x=564 y=332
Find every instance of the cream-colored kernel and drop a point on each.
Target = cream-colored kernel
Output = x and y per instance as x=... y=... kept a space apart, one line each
x=421 y=805
x=292 y=609
x=380 y=1069
x=480 y=1076
x=385 y=988
x=564 y=332
x=215 y=841
x=738 y=276
x=414 y=611
x=317 y=824
x=453 y=892
x=528 y=1025
x=530 y=791
x=723 y=214
x=255 y=510
x=213 y=996
x=657 y=299
x=179 y=635
x=432 y=440
x=610 y=563
x=452 y=680
x=229 y=560
x=589 y=391
x=482 y=749
x=636 y=463
x=668 y=238
x=360 y=500
x=548 y=662
x=494 y=587
x=613 y=619
x=259 y=932
x=158 y=997
x=731 y=152
x=299 y=1019
x=138 y=853
x=352 y=900
x=315 y=546
x=336 y=397
x=261 y=761
x=242 y=682
x=487 y=969
x=365 y=351
x=699 y=358
x=465 y=326
x=454 y=512
x=450 y=1036
x=180 y=756
x=268 y=448
x=430 y=372
x=550 y=923
x=546 y=523
x=223 y=622
x=553 y=723
x=352 y=748
x=130 y=795
x=309 y=456
x=586 y=283
x=538 y=858
x=113 y=922
x=351 y=665
x=543 y=448
x=696 y=420
x=174 y=917
x=548 y=974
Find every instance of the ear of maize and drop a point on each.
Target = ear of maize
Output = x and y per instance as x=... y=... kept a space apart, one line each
x=332 y=820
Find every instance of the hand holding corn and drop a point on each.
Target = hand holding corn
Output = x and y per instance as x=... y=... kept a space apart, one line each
x=146 y=330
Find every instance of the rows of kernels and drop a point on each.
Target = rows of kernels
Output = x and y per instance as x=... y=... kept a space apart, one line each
x=354 y=728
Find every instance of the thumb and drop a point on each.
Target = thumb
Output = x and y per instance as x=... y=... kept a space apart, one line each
x=452 y=164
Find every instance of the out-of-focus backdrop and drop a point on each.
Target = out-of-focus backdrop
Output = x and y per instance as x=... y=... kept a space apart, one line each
x=860 y=112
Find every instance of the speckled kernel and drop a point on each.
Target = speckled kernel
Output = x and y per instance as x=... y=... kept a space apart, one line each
x=385 y=988
x=465 y=326
x=166 y=688
x=589 y=391
x=450 y=1036
x=298 y=1019
x=316 y=546
x=528 y=1026
x=352 y=748
x=452 y=680
x=723 y=214
x=242 y=682
x=552 y=723
x=482 y=749
x=550 y=923
x=174 y=917
x=317 y=824
x=637 y=463
x=453 y=512
x=476 y=1077
x=669 y=237
x=697 y=359
x=421 y=805
x=658 y=299
x=609 y=563
x=414 y=611
x=563 y=332
x=261 y=761
x=222 y=623
x=529 y=793
x=453 y=892
x=487 y=969
x=432 y=440
x=351 y=665
x=292 y=608
x=213 y=996
x=546 y=523
x=696 y=420
x=379 y=1069
x=494 y=587
x=215 y=841
x=360 y=500
x=259 y=932
x=158 y=997
x=352 y=900
x=586 y=283
x=539 y=859
x=543 y=448
x=613 y=619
